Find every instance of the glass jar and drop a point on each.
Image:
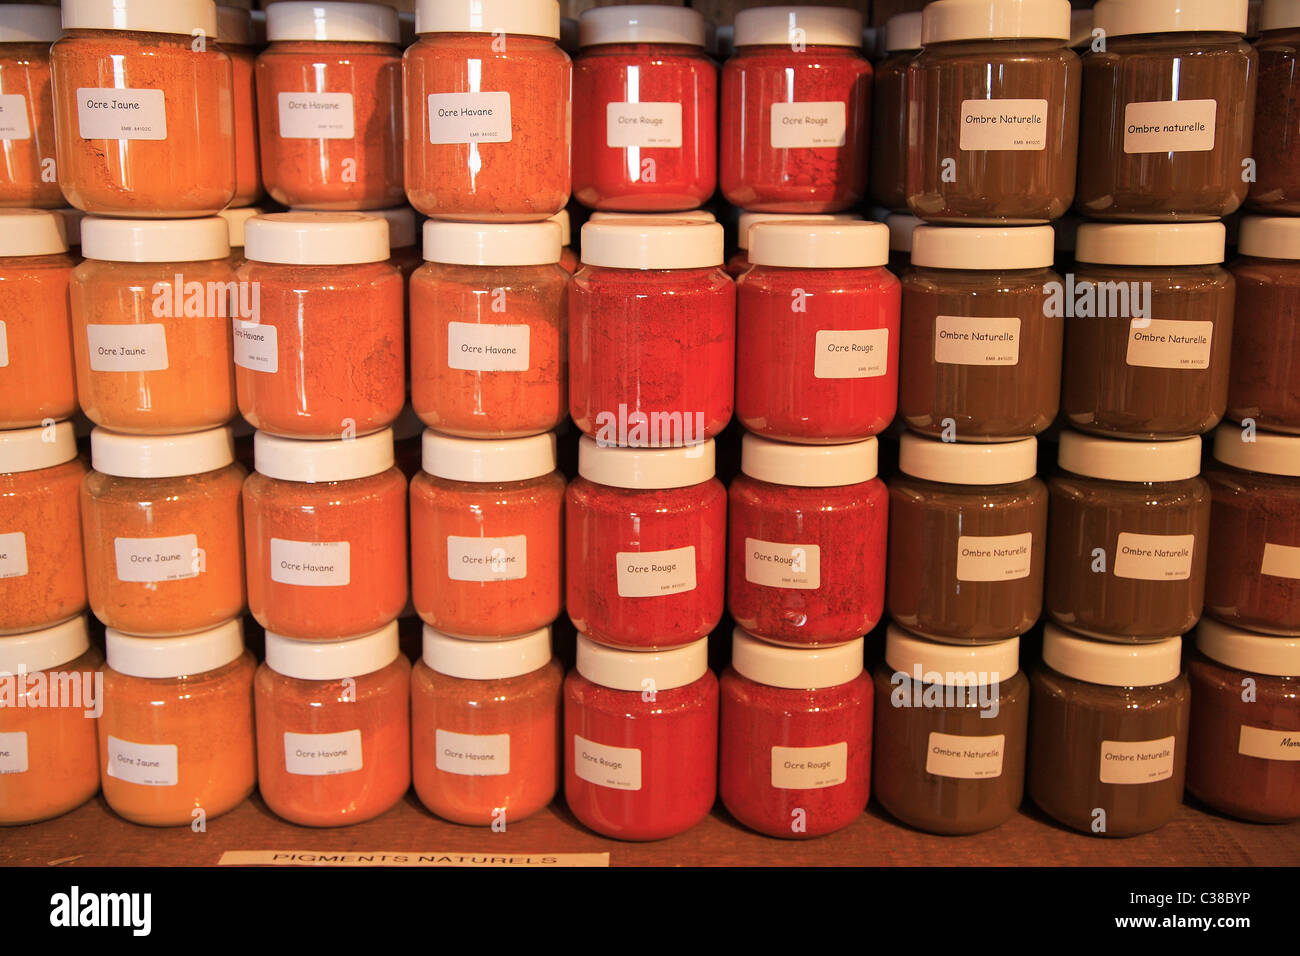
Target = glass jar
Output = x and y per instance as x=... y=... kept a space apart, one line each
x=817 y=332
x=485 y=727
x=151 y=313
x=159 y=140
x=889 y=128
x=333 y=728
x=1276 y=189
x=640 y=739
x=807 y=542
x=1264 y=385
x=1168 y=110
x=796 y=105
x=645 y=101
x=739 y=261
x=489 y=323
x=1148 y=330
x=320 y=354
x=795 y=744
x=325 y=526
x=645 y=544
x=27 y=167
x=968 y=539
x=163 y=531
x=980 y=357
x=488 y=116
x=235 y=34
x=951 y=733
x=652 y=339
x=1108 y=733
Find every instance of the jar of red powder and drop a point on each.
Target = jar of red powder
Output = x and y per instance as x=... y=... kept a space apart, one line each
x=487 y=111
x=796 y=105
x=645 y=110
x=746 y=221
x=319 y=349
x=817 y=332
x=325 y=525
x=795 y=755
x=645 y=540
x=333 y=728
x=640 y=739
x=27 y=169
x=235 y=34
x=652 y=339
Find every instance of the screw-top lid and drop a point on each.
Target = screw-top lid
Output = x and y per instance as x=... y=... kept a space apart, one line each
x=332 y=660
x=331 y=20
x=1264 y=452
x=535 y=18
x=748 y=220
x=808 y=466
x=488 y=460
x=1115 y=459
x=958 y=463
x=903 y=32
x=901 y=226
x=235 y=26
x=795 y=668
x=1248 y=651
x=951 y=665
x=155 y=240
x=183 y=656
x=810 y=26
x=1111 y=663
x=298 y=459
x=46 y=648
x=72 y=220
x=642 y=670
x=657 y=244
x=825 y=245
x=561 y=219
x=236 y=219
x=31 y=449
x=185 y=17
x=645 y=467
x=161 y=456
x=692 y=215
x=986 y=249
x=1130 y=17
x=31 y=232
x=1158 y=244
x=29 y=23
x=946 y=20
x=1279 y=15
x=487 y=660
x=641 y=23
x=493 y=244
x=402 y=233
x=1270 y=237
x=316 y=238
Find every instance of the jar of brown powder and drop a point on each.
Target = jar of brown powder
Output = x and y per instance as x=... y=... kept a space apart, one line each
x=1276 y=189
x=1264 y=385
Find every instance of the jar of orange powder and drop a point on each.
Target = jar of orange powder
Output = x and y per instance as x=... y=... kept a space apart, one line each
x=27 y=168
x=235 y=34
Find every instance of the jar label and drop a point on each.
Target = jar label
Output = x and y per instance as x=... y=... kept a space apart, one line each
x=127 y=348
x=311 y=564
x=4 y=346
x=965 y=758
x=809 y=125
x=469 y=118
x=487 y=348
x=150 y=765
x=13 y=117
x=1003 y=557
x=257 y=346
x=1167 y=343
x=810 y=768
x=643 y=124
x=1169 y=126
x=618 y=768
x=656 y=573
x=13 y=554
x=1154 y=557
x=861 y=353
x=487 y=559
x=472 y=755
x=107 y=113
x=976 y=340
x=322 y=755
x=151 y=560
x=1280 y=561
x=316 y=116
x=13 y=753
x=1254 y=742
x=1137 y=761
x=1003 y=125
x=774 y=565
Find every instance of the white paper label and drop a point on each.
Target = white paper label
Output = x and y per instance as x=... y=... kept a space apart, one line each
x=13 y=753
x=863 y=353
x=1005 y=557
x=1003 y=125
x=1167 y=343
x=618 y=768
x=643 y=124
x=4 y=346
x=773 y=565
x=487 y=559
x=150 y=560
x=316 y=116
x=105 y=113
x=257 y=346
x=487 y=348
x=311 y=564
x=656 y=573
x=150 y=765
x=322 y=755
x=970 y=340
x=966 y=758
x=473 y=755
x=810 y=768
x=808 y=125
x=1137 y=761
x=13 y=554
x=13 y=117
x=127 y=348
x=1268 y=744
x=1280 y=561
x=1154 y=557
x=469 y=118
x=1166 y=126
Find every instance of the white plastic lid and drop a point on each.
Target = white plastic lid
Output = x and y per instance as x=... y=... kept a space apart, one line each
x=951 y=665
x=31 y=232
x=72 y=220
x=1111 y=663
x=155 y=240
x=796 y=668
x=652 y=244
x=161 y=456
x=185 y=17
x=645 y=467
x=156 y=657
x=986 y=249
x=31 y=449
x=642 y=670
x=235 y=26
x=812 y=26
x=331 y=20
x=641 y=23
x=1247 y=651
x=1279 y=15
x=694 y=215
x=561 y=219
x=29 y=23
x=1158 y=244
x=1115 y=459
x=1270 y=237
x=901 y=226
x=946 y=20
x=493 y=244
x=488 y=460
x=316 y=238
x=487 y=660
x=402 y=233
x=748 y=220
x=808 y=466
x=1080 y=28
x=535 y=18
x=1265 y=452
x=40 y=650
x=298 y=459
x=903 y=32
x=958 y=463
x=236 y=219
x=332 y=660
x=1130 y=17
x=825 y=245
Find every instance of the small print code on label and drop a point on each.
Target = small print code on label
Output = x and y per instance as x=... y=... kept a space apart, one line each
x=655 y=573
x=469 y=118
x=1003 y=125
x=618 y=768
x=316 y=116
x=313 y=564
x=810 y=768
x=13 y=752
x=654 y=125
x=809 y=125
x=862 y=353
x=13 y=554
x=965 y=758
x=150 y=765
x=322 y=755
x=975 y=340
x=105 y=113
x=472 y=755
x=256 y=346
x=1154 y=557
x=774 y=565
x=1005 y=557
x=1164 y=343
x=13 y=117
x=155 y=560
x=1142 y=761
x=487 y=559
